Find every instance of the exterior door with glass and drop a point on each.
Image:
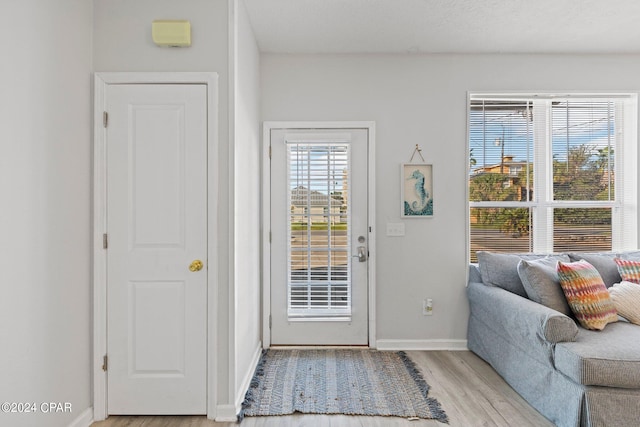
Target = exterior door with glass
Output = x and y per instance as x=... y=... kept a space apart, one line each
x=319 y=237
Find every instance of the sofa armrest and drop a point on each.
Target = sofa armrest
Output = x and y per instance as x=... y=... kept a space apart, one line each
x=518 y=319
x=474 y=273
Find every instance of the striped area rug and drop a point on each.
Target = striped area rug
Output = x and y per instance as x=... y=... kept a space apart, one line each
x=339 y=381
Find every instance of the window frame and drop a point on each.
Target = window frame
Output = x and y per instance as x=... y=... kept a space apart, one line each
x=624 y=204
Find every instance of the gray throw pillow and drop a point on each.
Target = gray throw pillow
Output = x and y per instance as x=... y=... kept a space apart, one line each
x=603 y=262
x=501 y=270
x=540 y=280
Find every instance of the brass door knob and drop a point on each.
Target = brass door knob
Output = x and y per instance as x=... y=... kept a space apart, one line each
x=196 y=265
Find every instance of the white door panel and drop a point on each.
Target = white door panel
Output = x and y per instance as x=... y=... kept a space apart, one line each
x=156 y=222
x=318 y=216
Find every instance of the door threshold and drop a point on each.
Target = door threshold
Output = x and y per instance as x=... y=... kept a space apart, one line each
x=319 y=347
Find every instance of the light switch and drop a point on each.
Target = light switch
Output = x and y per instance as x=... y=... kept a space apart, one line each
x=395 y=229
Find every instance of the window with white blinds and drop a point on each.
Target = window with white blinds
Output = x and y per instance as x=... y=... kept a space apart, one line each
x=552 y=174
x=319 y=272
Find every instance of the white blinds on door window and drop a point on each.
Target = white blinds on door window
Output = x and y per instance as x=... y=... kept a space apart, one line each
x=319 y=270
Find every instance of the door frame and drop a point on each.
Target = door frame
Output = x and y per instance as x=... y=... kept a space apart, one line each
x=101 y=83
x=268 y=126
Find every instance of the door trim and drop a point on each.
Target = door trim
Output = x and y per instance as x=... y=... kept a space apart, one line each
x=101 y=83
x=267 y=127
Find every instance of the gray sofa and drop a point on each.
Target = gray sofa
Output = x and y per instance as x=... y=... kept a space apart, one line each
x=573 y=376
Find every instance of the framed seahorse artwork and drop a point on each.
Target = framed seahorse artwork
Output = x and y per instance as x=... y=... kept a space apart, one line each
x=417 y=190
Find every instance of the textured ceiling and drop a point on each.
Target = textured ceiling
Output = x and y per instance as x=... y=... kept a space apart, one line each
x=446 y=26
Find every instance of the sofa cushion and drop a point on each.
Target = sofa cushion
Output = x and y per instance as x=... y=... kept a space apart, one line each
x=586 y=294
x=502 y=269
x=626 y=299
x=603 y=262
x=540 y=280
x=629 y=270
x=608 y=358
x=631 y=255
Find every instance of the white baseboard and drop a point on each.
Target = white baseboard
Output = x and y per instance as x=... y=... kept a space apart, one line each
x=229 y=413
x=85 y=419
x=397 y=345
x=226 y=414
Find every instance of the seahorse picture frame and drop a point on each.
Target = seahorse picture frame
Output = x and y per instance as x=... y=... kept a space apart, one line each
x=417 y=190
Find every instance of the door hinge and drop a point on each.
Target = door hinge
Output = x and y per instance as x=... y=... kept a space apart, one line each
x=105 y=241
x=105 y=118
x=269 y=151
x=269 y=236
x=105 y=363
x=270 y=322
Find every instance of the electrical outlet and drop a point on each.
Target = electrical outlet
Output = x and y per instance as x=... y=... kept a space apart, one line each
x=427 y=307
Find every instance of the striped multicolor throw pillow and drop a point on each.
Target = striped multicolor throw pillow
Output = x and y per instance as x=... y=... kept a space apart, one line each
x=629 y=270
x=586 y=294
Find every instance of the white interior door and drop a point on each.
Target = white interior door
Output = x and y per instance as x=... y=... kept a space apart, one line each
x=157 y=227
x=319 y=237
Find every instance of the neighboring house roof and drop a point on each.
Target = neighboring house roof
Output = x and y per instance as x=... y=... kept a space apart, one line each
x=508 y=163
x=300 y=196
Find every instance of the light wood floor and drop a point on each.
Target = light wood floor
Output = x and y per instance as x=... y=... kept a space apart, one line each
x=468 y=389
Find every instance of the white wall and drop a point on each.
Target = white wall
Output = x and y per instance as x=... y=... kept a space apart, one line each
x=122 y=36
x=222 y=41
x=247 y=184
x=45 y=178
x=122 y=42
x=422 y=100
